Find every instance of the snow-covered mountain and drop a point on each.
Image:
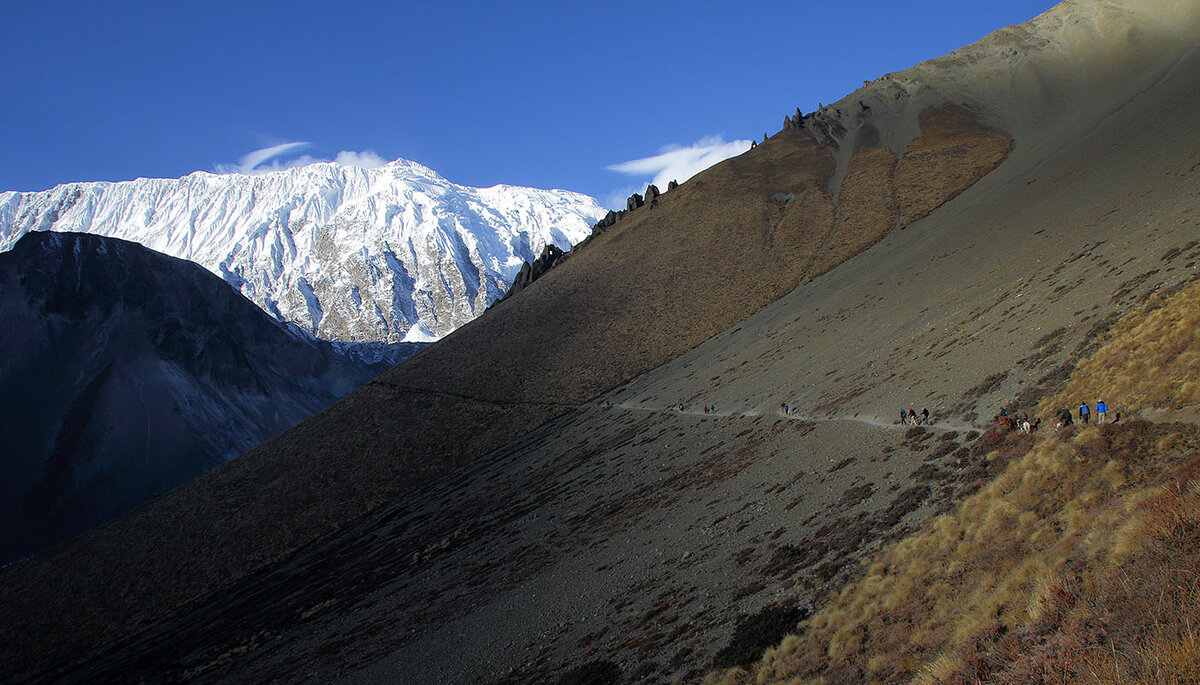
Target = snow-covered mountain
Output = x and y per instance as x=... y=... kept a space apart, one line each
x=386 y=254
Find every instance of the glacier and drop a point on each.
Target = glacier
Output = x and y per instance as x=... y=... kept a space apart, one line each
x=394 y=253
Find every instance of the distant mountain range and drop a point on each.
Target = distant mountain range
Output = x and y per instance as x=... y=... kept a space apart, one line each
x=124 y=372
x=388 y=254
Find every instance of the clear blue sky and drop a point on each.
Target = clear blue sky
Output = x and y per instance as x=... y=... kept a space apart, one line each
x=544 y=94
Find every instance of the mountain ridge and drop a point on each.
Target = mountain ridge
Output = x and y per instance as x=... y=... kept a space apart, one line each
x=126 y=372
x=389 y=254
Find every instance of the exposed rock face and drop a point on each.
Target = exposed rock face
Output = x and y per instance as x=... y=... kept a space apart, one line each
x=651 y=194
x=551 y=257
x=672 y=185
x=126 y=372
x=386 y=254
x=608 y=220
x=633 y=202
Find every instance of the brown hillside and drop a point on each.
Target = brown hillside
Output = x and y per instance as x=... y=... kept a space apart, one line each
x=542 y=492
x=662 y=280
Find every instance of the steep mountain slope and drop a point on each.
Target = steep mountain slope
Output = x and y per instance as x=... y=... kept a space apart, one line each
x=125 y=373
x=587 y=537
x=594 y=321
x=1096 y=586
x=385 y=254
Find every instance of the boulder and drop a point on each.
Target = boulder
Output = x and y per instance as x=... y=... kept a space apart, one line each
x=651 y=194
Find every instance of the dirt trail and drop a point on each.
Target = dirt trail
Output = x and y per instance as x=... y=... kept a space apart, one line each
x=941 y=425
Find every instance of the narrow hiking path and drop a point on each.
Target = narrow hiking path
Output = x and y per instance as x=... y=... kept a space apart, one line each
x=935 y=424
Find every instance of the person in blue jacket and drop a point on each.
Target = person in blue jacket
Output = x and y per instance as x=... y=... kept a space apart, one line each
x=1101 y=411
x=1083 y=413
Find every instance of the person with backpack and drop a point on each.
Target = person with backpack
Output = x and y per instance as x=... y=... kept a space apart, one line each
x=1084 y=413
x=1101 y=411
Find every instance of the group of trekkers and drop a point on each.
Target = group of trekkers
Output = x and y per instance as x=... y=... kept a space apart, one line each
x=912 y=418
x=1013 y=422
x=1085 y=413
x=1062 y=418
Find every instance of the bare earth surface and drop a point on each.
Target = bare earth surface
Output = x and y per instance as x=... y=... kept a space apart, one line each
x=624 y=529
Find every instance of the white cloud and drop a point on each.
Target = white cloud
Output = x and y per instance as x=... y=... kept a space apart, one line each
x=252 y=162
x=679 y=163
x=367 y=159
x=277 y=157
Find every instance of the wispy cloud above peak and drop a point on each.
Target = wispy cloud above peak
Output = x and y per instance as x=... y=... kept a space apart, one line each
x=367 y=159
x=284 y=156
x=253 y=160
x=681 y=162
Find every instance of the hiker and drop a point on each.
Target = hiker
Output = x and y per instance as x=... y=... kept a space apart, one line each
x=1083 y=413
x=912 y=416
x=706 y=409
x=925 y=415
x=785 y=408
x=1101 y=411
x=903 y=417
x=1064 y=419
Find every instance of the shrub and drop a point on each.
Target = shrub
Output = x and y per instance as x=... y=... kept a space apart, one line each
x=755 y=634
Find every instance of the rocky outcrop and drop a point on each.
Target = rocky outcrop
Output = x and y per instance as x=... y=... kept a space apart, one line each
x=672 y=185
x=652 y=194
x=634 y=202
x=551 y=257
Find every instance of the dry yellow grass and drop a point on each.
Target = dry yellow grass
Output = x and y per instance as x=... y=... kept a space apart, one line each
x=1152 y=363
x=944 y=160
x=1079 y=563
x=867 y=208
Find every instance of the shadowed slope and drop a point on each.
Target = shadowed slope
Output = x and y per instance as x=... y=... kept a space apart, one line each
x=662 y=281
x=125 y=372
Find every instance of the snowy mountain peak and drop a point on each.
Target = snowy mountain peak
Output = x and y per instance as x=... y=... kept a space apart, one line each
x=390 y=253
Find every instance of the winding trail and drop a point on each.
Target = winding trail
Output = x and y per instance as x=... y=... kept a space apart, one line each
x=934 y=424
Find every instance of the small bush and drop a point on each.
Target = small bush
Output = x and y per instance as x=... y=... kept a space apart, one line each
x=757 y=633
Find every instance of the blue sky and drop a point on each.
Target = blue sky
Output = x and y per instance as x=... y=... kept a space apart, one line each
x=544 y=94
